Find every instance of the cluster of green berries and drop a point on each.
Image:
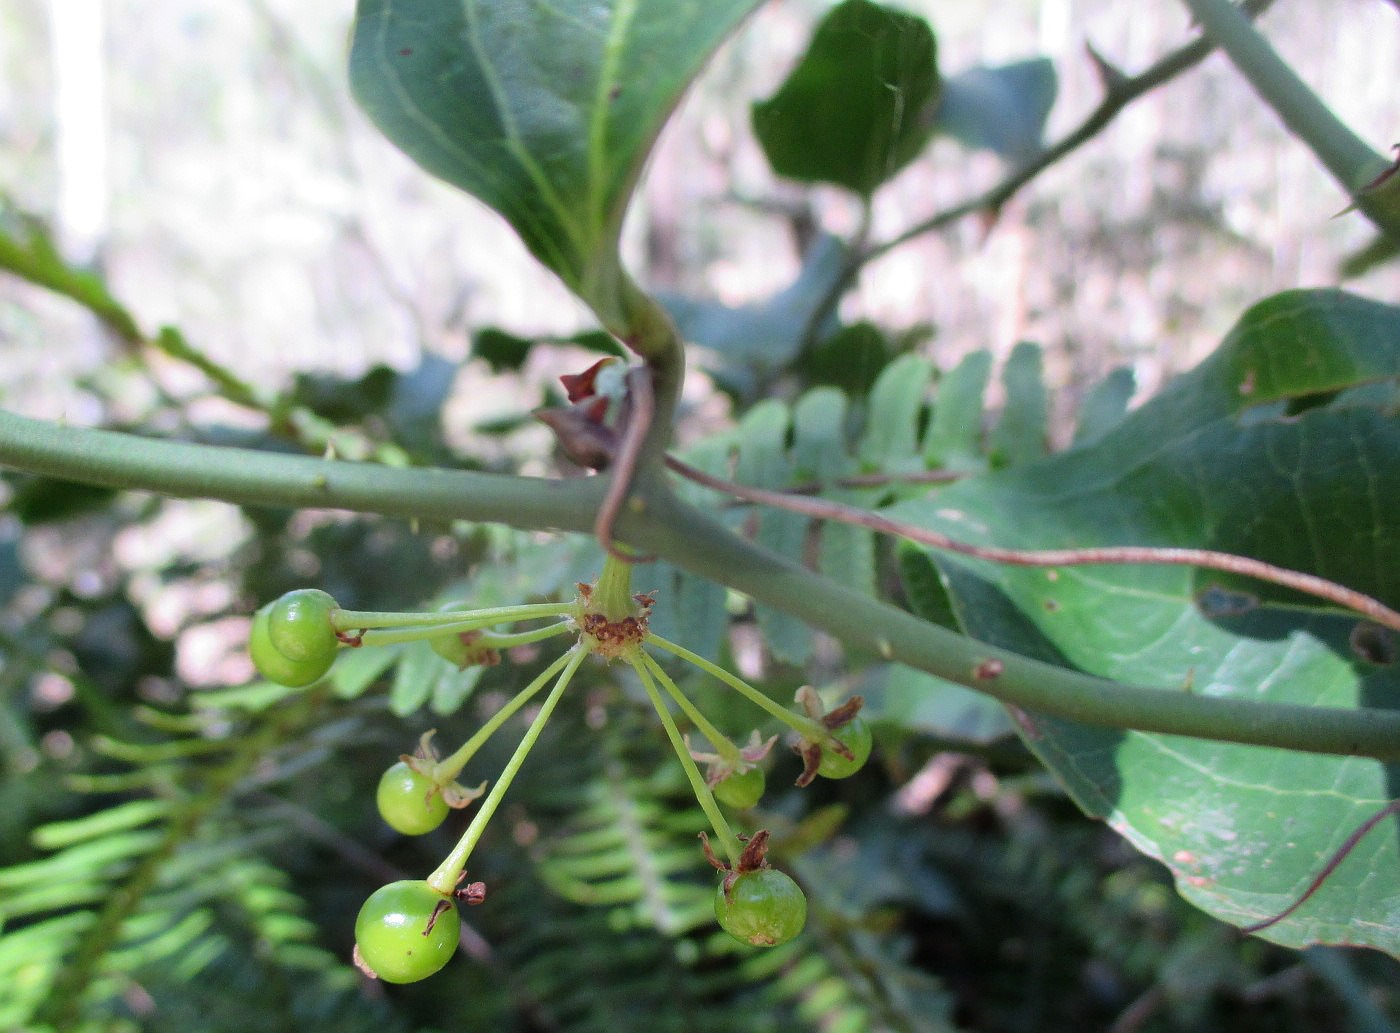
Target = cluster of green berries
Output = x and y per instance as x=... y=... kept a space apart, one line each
x=408 y=930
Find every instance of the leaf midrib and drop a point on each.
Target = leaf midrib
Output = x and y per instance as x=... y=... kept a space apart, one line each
x=515 y=142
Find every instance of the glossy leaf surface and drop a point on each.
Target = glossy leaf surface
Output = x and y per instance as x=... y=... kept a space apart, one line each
x=859 y=105
x=1281 y=446
x=544 y=111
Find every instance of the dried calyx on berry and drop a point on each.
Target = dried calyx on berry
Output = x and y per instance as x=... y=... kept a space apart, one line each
x=415 y=794
x=754 y=902
x=465 y=649
x=734 y=775
x=843 y=751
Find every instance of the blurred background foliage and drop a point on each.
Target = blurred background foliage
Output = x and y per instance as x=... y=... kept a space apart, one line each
x=184 y=850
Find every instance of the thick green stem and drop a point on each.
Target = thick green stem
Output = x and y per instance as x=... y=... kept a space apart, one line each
x=1350 y=160
x=728 y=841
x=659 y=523
x=445 y=878
x=249 y=477
x=652 y=334
x=690 y=539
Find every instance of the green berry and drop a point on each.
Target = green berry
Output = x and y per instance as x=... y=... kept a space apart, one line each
x=299 y=625
x=409 y=801
x=762 y=907
x=740 y=791
x=855 y=734
x=406 y=931
x=276 y=666
x=452 y=649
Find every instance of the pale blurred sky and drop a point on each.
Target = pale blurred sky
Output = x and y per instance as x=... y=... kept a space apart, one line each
x=237 y=193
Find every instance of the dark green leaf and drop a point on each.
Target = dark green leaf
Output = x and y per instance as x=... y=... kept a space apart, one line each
x=1215 y=462
x=924 y=586
x=502 y=350
x=850 y=359
x=1001 y=109
x=860 y=104
x=42 y=500
x=345 y=401
x=415 y=405
x=544 y=111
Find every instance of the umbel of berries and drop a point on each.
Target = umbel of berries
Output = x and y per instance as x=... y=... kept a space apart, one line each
x=409 y=929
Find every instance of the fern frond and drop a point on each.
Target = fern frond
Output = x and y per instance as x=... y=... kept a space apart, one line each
x=629 y=841
x=157 y=888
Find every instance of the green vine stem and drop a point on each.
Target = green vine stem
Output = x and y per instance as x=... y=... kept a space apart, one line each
x=648 y=330
x=249 y=477
x=706 y=799
x=720 y=742
x=658 y=522
x=450 y=766
x=444 y=622
x=803 y=726
x=445 y=878
x=1345 y=155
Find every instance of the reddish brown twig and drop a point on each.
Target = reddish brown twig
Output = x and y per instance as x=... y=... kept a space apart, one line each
x=1331 y=866
x=1209 y=559
x=641 y=409
x=877 y=480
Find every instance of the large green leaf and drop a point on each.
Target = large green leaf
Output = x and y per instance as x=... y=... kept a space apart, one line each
x=861 y=103
x=546 y=111
x=1284 y=446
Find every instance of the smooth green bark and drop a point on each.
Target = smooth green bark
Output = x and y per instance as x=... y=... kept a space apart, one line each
x=656 y=522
